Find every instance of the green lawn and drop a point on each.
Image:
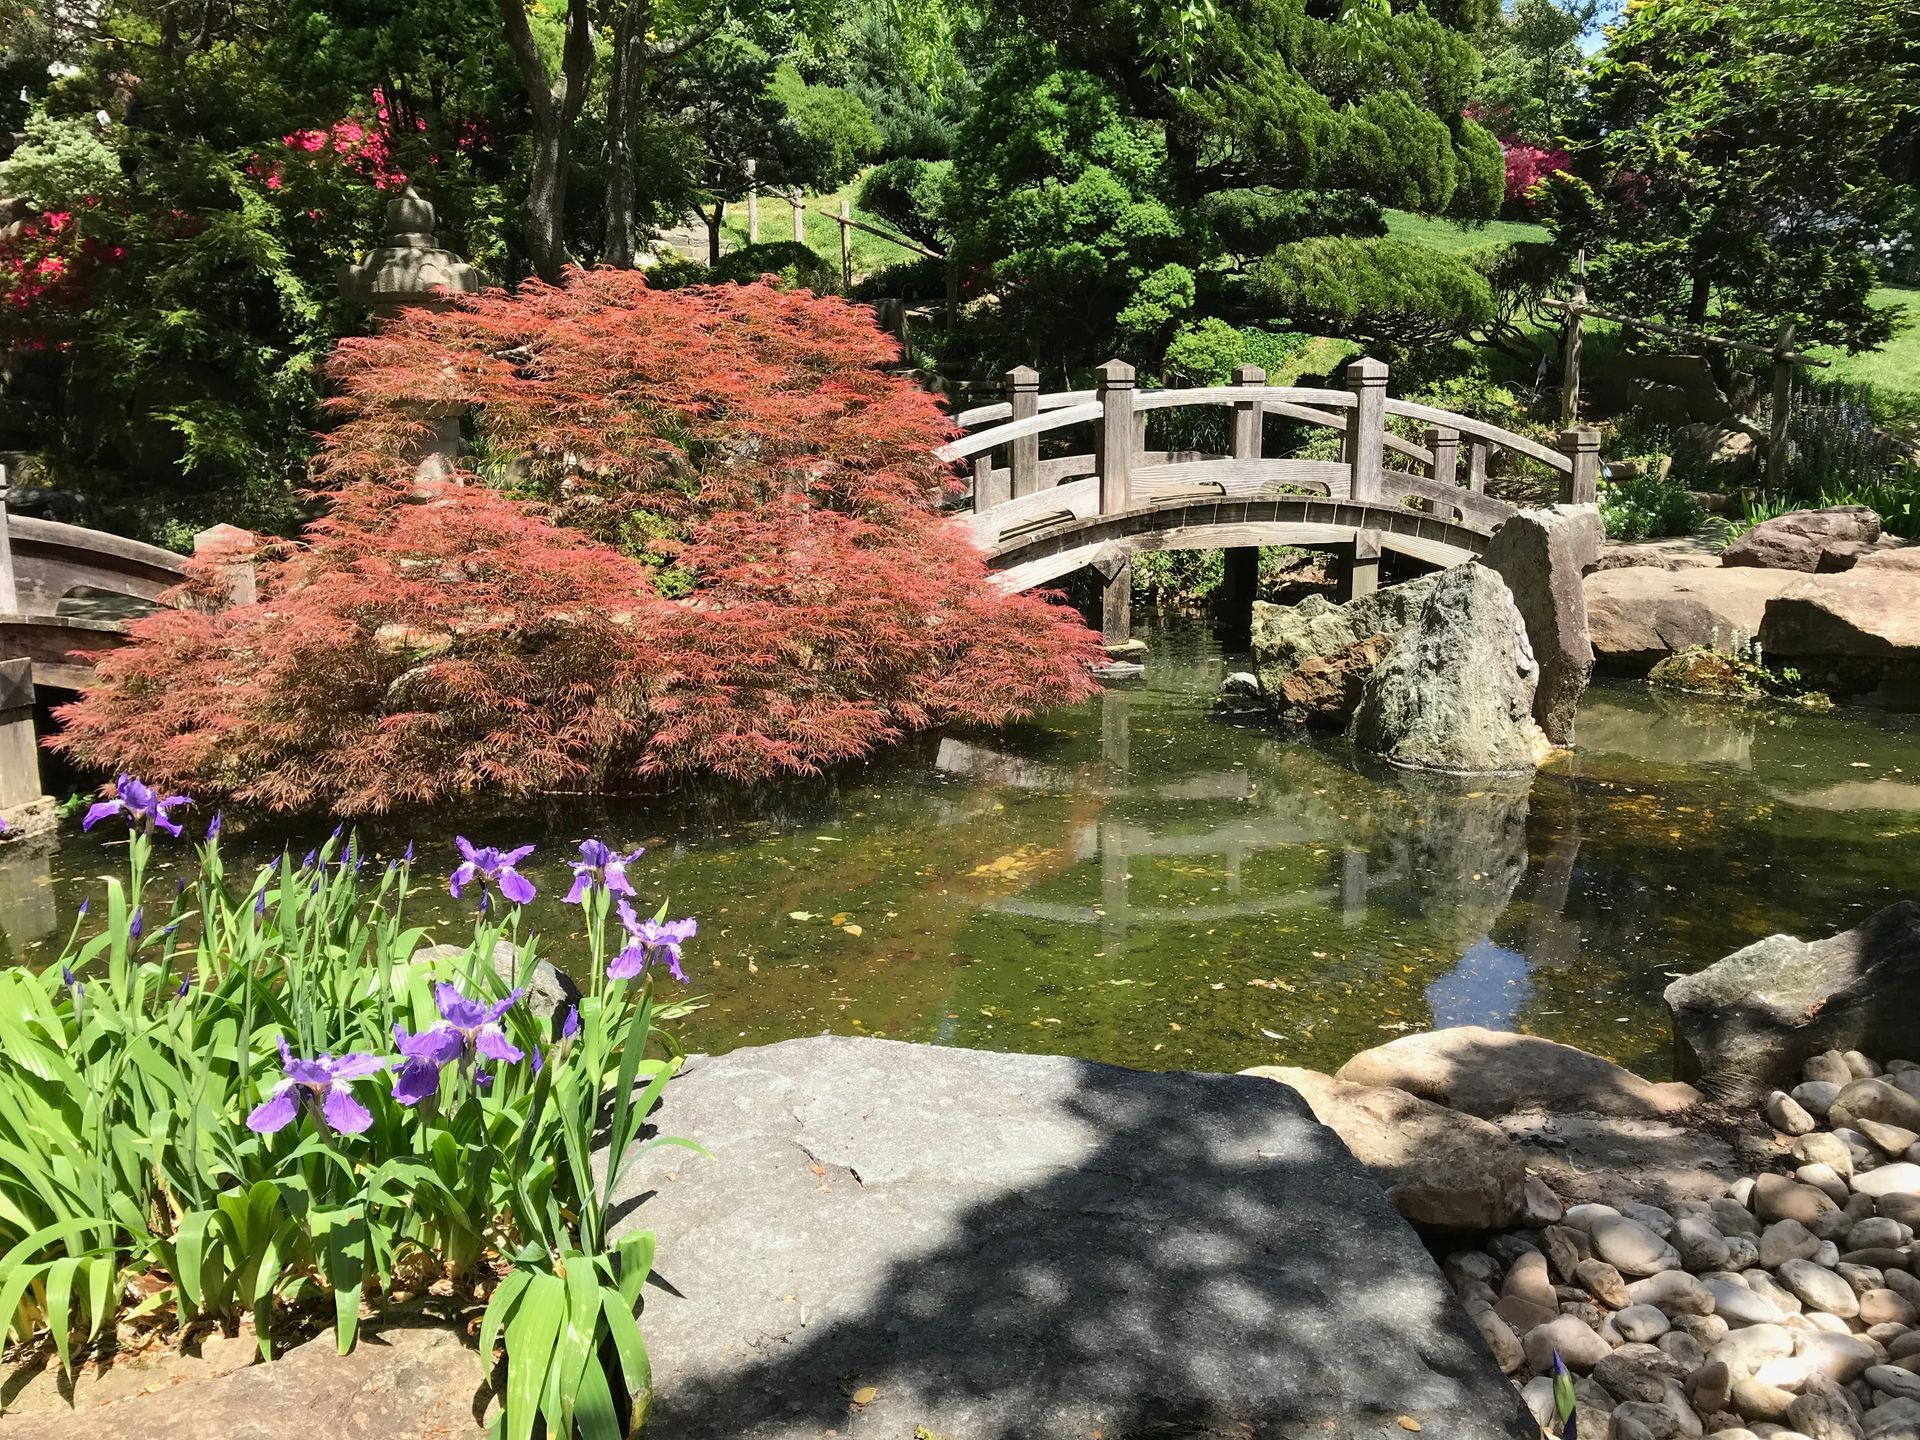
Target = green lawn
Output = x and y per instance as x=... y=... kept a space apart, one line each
x=1896 y=365
x=1452 y=237
x=823 y=232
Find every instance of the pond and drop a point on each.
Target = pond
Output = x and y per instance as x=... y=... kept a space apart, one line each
x=1151 y=880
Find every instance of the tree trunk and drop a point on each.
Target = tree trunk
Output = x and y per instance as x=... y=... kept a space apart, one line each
x=626 y=83
x=555 y=102
x=714 y=222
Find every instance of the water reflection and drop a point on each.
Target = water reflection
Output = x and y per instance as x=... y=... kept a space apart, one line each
x=1149 y=880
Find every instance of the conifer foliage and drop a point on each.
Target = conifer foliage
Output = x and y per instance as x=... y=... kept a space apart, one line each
x=699 y=534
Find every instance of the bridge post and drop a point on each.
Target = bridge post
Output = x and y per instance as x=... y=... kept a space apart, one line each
x=19 y=750
x=1023 y=455
x=988 y=491
x=1581 y=486
x=1477 y=466
x=1247 y=415
x=9 y=590
x=1444 y=442
x=1358 y=570
x=229 y=548
x=1366 y=426
x=1113 y=445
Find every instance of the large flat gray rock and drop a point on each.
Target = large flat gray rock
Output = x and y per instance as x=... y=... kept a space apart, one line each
x=1007 y=1246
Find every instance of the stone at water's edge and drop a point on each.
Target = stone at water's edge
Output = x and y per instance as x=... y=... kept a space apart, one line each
x=1640 y=614
x=550 y=990
x=1491 y=1073
x=1287 y=638
x=1456 y=692
x=1024 y=1245
x=1440 y=1168
x=1870 y=613
x=1747 y=1023
x=1541 y=554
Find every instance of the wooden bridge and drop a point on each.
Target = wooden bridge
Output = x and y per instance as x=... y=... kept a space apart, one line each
x=1040 y=519
x=67 y=593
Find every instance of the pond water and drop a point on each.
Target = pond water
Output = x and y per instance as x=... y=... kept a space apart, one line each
x=1149 y=880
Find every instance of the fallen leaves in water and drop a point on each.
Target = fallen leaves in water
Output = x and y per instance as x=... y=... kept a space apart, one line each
x=801 y=915
x=864 y=1395
x=854 y=930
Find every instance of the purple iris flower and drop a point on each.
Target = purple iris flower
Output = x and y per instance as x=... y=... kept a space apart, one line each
x=407 y=859
x=468 y=1028
x=321 y=1085
x=650 y=940
x=599 y=865
x=72 y=982
x=570 y=1026
x=260 y=903
x=143 y=809
x=477 y=1024
x=5 y=828
x=422 y=1056
x=493 y=868
x=213 y=825
x=137 y=923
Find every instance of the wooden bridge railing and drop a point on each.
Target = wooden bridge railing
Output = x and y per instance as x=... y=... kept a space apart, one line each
x=1128 y=473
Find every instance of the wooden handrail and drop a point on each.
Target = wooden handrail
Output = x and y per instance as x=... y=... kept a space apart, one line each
x=1479 y=430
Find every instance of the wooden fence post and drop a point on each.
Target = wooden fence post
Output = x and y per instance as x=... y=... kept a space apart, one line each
x=846 y=242
x=1366 y=427
x=1570 y=348
x=1023 y=455
x=799 y=201
x=231 y=549
x=1581 y=486
x=753 y=203
x=1444 y=442
x=1782 y=406
x=1247 y=415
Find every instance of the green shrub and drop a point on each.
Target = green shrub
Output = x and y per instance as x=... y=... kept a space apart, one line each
x=916 y=279
x=909 y=195
x=1255 y=222
x=795 y=266
x=1647 y=507
x=1208 y=351
x=674 y=270
x=1386 y=292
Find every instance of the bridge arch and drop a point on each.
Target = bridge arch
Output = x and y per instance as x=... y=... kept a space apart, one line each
x=1039 y=519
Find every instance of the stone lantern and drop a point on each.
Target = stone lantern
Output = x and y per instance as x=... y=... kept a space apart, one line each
x=411 y=269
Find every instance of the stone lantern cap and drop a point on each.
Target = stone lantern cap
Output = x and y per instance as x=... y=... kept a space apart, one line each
x=410 y=267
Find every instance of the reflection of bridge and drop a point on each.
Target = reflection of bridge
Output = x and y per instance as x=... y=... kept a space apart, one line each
x=66 y=594
x=1039 y=519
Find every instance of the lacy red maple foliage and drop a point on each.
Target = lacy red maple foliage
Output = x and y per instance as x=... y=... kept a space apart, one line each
x=708 y=541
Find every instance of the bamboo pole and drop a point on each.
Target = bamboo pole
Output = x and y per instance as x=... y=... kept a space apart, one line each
x=845 y=218
x=753 y=203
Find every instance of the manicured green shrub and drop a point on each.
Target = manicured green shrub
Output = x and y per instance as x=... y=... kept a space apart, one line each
x=796 y=266
x=917 y=279
x=1207 y=352
x=1388 y=293
x=910 y=195
x=1253 y=222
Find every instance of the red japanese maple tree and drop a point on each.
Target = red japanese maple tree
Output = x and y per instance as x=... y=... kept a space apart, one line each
x=701 y=535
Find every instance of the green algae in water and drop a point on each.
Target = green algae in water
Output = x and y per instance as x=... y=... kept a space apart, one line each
x=1150 y=881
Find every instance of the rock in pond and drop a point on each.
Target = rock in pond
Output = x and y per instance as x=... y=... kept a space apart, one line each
x=1440 y=1168
x=1286 y=638
x=1751 y=1021
x=1008 y=1245
x=1541 y=555
x=1496 y=1072
x=1456 y=691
